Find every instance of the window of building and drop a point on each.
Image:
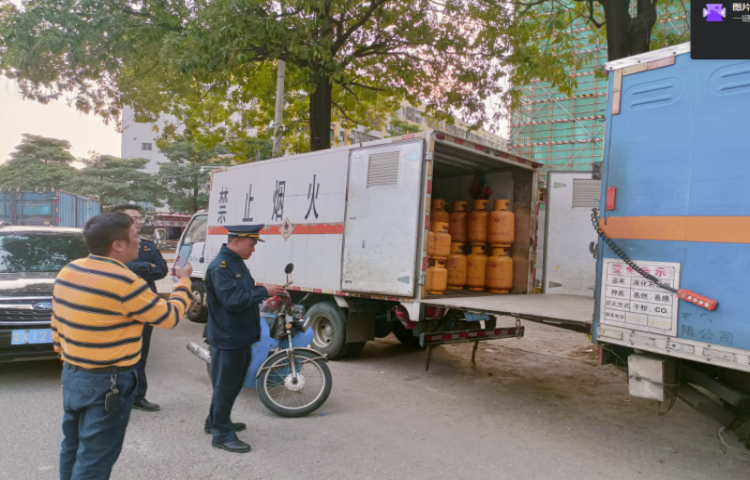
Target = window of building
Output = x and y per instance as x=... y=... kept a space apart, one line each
x=411 y=114
x=146 y=147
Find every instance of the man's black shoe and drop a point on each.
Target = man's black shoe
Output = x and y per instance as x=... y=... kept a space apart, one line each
x=238 y=427
x=234 y=446
x=146 y=406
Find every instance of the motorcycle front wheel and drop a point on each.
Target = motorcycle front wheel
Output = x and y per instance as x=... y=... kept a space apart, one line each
x=280 y=394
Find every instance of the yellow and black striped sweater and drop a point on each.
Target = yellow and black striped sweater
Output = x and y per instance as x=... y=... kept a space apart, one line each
x=99 y=309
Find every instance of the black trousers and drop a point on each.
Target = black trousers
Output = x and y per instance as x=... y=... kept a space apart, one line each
x=140 y=367
x=228 y=370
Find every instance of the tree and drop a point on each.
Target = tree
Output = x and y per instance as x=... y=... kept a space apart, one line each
x=212 y=63
x=400 y=127
x=30 y=175
x=116 y=181
x=39 y=163
x=545 y=41
x=36 y=147
x=183 y=186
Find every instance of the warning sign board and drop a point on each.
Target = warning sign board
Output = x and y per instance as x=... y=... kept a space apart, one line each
x=631 y=301
x=286 y=229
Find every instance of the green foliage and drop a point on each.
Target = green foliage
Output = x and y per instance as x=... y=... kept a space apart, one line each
x=212 y=64
x=400 y=127
x=33 y=174
x=36 y=147
x=545 y=37
x=116 y=181
x=182 y=185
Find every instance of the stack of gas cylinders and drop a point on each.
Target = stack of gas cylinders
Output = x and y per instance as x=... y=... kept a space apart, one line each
x=480 y=229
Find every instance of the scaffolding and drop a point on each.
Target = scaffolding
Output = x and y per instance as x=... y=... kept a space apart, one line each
x=567 y=133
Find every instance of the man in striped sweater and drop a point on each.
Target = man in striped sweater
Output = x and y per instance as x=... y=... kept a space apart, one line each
x=99 y=310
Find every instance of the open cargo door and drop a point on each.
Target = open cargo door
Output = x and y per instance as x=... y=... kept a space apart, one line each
x=381 y=230
x=569 y=266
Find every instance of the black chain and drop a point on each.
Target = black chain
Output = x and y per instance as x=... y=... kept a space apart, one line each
x=623 y=255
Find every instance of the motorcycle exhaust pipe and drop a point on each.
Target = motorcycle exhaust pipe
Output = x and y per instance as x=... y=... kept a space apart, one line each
x=199 y=352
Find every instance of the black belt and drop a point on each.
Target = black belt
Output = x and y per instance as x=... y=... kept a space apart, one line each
x=102 y=369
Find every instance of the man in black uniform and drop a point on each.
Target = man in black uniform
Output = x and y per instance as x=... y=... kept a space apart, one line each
x=150 y=266
x=233 y=326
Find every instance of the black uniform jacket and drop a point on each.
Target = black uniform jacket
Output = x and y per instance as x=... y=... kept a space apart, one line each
x=148 y=254
x=233 y=302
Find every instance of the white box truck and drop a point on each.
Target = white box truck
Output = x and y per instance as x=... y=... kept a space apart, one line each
x=354 y=221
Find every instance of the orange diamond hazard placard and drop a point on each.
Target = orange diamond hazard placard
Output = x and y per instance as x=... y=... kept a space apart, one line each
x=286 y=229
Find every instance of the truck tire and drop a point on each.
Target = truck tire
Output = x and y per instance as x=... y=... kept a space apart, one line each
x=405 y=335
x=383 y=327
x=354 y=349
x=198 y=312
x=328 y=322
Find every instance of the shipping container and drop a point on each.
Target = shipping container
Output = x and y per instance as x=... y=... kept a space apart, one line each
x=53 y=208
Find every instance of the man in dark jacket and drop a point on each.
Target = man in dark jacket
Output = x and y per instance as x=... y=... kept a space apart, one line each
x=150 y=266
x=233 y=326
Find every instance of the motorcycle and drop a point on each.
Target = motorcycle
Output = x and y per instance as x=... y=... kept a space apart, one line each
x=292 y=379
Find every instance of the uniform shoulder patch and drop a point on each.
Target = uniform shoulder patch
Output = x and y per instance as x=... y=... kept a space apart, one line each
x=223 y=265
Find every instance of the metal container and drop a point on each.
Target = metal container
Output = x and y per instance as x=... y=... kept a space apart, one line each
x=440 y=241
x=500 y=225
x=439 y=214
x=456 y=266
x=54 y=208
x=499 y=271
x=457 y=225
x=477 y=225
x=476 y=269
x=437 y=278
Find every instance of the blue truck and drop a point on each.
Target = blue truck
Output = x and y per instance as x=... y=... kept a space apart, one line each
x=50 y=208
x=674 y=222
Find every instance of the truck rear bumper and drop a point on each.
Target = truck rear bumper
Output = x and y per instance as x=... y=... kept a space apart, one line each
x=459 y=336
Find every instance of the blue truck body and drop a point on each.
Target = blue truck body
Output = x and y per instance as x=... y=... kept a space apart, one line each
x=54 y=208
x=678 y=158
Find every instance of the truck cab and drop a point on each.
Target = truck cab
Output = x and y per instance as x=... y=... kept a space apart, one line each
x=192 y=248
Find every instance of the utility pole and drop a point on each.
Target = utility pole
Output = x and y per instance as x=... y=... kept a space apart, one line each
x=278 y=117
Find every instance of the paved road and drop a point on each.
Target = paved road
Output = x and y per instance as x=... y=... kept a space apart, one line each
x=534 y=408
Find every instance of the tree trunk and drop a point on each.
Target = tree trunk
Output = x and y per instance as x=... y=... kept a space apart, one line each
x=641 y=26
x=628 y=36
x=320 y=114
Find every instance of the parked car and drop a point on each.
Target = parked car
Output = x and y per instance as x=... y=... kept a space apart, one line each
x=30 y=258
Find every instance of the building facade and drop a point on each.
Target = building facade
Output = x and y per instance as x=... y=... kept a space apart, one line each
x=567 y=133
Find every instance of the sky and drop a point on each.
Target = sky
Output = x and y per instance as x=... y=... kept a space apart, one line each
x=85 y=132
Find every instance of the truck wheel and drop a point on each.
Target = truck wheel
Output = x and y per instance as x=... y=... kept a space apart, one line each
x=198 y=312
x=329 y=326
x=405 y=335
x=383 y=327
x=354 y=349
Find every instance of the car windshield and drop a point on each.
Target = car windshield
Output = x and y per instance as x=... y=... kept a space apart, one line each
x=196 y=232
x=38 y=251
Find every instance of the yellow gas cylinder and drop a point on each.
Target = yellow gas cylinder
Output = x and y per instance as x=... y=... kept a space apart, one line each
x=440 y=241
x=476 y=230
x=499 y=271
x=438 y=212
x=437 y=278
x=456 y=267
x=500 y=229
x=476 y=268
x=457 y=226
